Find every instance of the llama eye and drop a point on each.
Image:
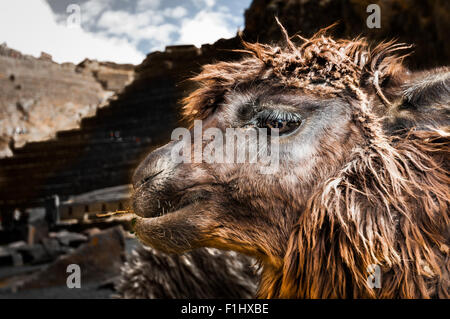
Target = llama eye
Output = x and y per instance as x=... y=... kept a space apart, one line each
x=246 y=112
x=285 y=122
x=283 y=126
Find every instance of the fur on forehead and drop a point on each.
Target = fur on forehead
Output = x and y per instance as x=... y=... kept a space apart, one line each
x=319 y=65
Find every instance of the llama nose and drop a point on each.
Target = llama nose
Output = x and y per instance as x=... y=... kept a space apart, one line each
x=146 y=180
x=153 y=165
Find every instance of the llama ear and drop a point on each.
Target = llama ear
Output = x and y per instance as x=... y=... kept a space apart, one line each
x=427 y=90
x=425 y=101
x=382 y=68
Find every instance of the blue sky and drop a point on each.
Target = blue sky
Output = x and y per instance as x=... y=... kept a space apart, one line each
x=122 y=31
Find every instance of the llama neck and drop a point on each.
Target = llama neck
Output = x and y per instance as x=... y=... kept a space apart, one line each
x=389 y=209
x=271 y=279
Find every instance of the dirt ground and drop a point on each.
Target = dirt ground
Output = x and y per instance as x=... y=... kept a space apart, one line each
x=90 y=290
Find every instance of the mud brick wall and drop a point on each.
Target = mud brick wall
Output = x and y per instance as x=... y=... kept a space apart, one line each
x=107 y=147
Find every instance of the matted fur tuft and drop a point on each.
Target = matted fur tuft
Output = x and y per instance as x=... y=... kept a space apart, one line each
x=202 y=273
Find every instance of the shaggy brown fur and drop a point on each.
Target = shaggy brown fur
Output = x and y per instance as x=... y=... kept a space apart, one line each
x=202 y=273
x=388 y=206
x=378 y=191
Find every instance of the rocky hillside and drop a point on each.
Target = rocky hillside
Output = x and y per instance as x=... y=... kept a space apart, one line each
x=106 y=148
x=40 y=97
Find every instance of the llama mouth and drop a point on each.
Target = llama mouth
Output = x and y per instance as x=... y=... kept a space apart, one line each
x=168 y=207
x=164 y=207
x=159 y=207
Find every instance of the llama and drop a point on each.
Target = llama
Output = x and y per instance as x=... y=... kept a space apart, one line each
x=363 y=178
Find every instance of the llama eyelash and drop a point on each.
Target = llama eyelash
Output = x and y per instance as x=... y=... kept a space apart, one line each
x=285 y=122
x=273 y=115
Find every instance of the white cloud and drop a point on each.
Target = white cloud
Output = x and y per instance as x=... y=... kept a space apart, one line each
x=206 y=27
x=30 y=27
x=122 y=22
x=91 y=9
x=175 y=13
x=204 y=3
x=144 y=5
x=111 y=30
x=161 y=33
x=138 y=27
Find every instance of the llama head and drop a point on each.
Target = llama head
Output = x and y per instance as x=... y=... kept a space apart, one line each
x=340 y=115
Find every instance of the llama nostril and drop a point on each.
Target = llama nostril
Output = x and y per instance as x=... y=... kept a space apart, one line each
x=147 y=179
x=156 y=162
